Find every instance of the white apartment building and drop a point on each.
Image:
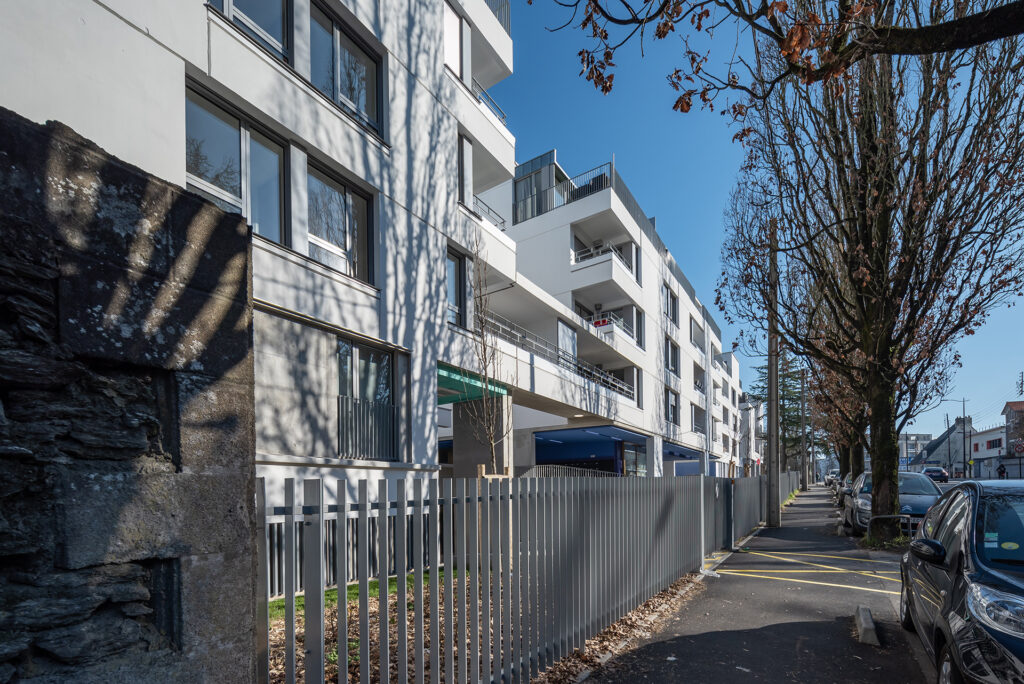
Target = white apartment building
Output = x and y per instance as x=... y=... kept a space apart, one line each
x=988 y=450
x=380 y=182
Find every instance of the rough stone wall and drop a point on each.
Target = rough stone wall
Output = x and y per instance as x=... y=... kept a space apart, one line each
x=126 y=422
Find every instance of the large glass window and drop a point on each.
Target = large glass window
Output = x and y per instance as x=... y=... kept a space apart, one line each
x=671 y=303
x=342 y=68
x=264 y=20
x=266 y=173
x=214 y=146
x=339 y=225
x=369 y=403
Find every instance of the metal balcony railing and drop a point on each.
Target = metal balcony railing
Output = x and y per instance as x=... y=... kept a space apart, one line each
x=699 y=386
x=505 y=329
x=602 y=320
x=485 y=97
x=483 y=209
x=503 y=13
x=581 y=255
x=367 y=430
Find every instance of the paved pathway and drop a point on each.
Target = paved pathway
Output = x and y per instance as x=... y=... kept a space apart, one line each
x=781 y=611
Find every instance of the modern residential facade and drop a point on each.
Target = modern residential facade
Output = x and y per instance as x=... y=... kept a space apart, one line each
x=379 y=179
x=910 y=446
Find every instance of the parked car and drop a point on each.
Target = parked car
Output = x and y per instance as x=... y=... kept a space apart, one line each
x=844 y=489
x=963 y=583
x=936 y=473
x=917 y=494
x=831 y=476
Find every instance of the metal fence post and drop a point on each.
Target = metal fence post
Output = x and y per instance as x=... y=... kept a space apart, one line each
x=313 y=581
x=262 y=588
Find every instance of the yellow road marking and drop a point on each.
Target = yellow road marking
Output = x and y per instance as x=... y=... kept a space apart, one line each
x=866 y=573
x=824 y=584
x=822 y=555
x=871 y=573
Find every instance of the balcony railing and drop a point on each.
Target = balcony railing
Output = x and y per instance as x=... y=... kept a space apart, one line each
x=602 y=320
x=581 y=255
x=505 y=329
x=578 y=187
x=483 y=209
x=502 y=12
x=367 y=430
x=485 y=97
x=699 y=386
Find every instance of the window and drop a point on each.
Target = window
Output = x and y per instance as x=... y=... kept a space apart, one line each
x=216 y=145
x=369 y=407
x=696 y=334
x=671 y=406
x=640 y=337
x=671 y=304
x=976 y=445
x=339 y=225
x=671 y=356
x=343 y=69
x=456 y=289
x=566 y=341
x=266 y=21
x=452 y=40
x=993 y=443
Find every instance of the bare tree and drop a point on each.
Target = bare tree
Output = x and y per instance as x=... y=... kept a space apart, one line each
x=816 y=40
x=491 y=415
x=898 y=202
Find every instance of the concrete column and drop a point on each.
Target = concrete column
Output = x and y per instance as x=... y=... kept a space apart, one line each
x=655 y=462
x=469 y=444
x=299 y=201
x=300 y=38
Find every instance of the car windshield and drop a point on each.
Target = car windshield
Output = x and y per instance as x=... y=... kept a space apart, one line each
x=910 y=483
x=1000 y=537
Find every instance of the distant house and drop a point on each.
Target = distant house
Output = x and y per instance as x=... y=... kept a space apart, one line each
x=948 y=449
x=1013 y=412
x=987 y=449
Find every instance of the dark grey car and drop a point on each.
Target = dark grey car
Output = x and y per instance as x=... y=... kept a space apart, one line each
x=917 y=494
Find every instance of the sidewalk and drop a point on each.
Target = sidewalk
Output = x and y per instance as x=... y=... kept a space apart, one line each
x=781 y=611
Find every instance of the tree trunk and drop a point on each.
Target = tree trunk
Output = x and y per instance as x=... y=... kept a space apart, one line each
x=844 y=459
x=856 y=458
x=885 y=462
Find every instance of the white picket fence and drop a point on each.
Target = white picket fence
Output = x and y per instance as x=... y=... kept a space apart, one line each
x=519 y=573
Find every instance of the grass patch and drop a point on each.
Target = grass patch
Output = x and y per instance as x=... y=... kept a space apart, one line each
x=900 y=543
x=276 y=607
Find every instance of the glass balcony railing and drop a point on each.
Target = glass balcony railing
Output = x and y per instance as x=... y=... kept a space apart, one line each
x=578 y=187
x=502 y=11
x=587 y=253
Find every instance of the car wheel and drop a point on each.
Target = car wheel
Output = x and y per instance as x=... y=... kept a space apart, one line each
x=906 y=621
x=948 y=673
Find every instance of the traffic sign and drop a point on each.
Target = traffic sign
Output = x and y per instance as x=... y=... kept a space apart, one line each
x=1019 y=448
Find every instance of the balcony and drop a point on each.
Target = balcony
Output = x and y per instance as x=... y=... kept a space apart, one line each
x=501 y=327
x=578 y=187
x=698 y=386
x=484 y=210
x=367 y=430
x=587 y=253
x=609 y=321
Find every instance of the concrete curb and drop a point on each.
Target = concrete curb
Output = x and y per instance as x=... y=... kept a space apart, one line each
x=866 y=632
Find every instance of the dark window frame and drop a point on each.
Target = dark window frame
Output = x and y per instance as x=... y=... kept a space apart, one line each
x=371 y=219
x=340 y=26
x=283 y=52
x=460 y=276
x=246 y=128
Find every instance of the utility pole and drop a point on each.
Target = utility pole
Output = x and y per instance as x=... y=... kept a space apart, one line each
x=804 y=470
x=963 y=431
x=949 y=454
x=774 y=505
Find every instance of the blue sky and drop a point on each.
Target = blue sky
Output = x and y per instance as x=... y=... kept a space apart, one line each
x=681 y=168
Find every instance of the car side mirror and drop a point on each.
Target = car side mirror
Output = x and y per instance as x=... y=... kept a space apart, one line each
x=928 y=550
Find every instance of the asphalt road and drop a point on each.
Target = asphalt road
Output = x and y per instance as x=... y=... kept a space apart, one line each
x=781 y=611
